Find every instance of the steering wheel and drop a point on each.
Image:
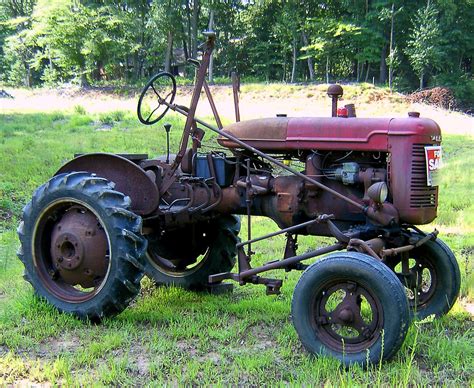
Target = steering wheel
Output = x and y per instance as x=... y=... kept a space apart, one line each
x=155 y=97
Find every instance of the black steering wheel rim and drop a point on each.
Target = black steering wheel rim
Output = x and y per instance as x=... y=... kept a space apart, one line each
x=150 y=84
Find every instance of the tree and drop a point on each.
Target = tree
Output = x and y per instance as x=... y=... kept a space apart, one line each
x=424 y=51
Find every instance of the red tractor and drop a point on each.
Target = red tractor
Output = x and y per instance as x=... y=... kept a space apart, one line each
x=103 y=221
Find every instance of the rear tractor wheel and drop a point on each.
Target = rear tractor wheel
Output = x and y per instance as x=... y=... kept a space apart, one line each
x=81 y=246
x=187 y=256
x=351 y=307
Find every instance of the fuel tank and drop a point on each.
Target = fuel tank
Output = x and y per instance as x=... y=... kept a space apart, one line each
x=326 y=133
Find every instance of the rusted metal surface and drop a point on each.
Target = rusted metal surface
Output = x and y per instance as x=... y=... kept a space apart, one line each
x=213 y=105
x=364 y=247
x=71 y=251
x=339 y=319
x=273 y=160
x=323 y=133
x=235 y=92
x=351 y=110
x=409 y=247
x=128 y=177
x=281 y=264
x=270 y=131
x=79 y=248
x=190 y=119
x=334 y=91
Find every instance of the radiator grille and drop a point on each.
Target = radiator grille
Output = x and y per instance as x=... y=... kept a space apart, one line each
x=421 y=195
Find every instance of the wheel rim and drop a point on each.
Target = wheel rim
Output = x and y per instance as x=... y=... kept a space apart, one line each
x=180 y=253
x=71 y=250
x=347 y=316
x=421 y=280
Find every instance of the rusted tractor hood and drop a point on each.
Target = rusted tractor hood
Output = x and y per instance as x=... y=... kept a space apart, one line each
x=287 y=133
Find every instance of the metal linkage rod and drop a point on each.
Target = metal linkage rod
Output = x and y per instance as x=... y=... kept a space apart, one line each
x=291 y=260
x=213 y=105
x=281 y=231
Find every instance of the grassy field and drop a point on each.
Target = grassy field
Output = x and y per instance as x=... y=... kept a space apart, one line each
x=178 y=337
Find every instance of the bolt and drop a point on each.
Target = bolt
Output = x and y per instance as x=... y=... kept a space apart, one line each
x=60 y=259
x=351 y=287
x=322 y=320
x=366 y=332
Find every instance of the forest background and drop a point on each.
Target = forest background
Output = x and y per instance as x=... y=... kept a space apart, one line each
x=404 y=44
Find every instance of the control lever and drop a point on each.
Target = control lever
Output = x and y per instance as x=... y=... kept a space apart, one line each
x=167 y=129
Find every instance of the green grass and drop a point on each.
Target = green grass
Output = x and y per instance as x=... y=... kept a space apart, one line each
x=177 y=337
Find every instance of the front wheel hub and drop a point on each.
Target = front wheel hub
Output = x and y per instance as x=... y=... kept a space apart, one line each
x=79 y=248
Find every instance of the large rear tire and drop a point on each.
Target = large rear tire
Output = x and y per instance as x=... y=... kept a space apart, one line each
x=81 y=246
x=186 y=257
x=351 y=307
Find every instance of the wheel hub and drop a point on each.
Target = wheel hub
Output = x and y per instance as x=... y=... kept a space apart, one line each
x=346 y=315
x=67 y=251
x=79 y=248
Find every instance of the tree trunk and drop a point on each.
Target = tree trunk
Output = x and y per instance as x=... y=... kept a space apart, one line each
x=383 y=65
x=327 y=70
x=293 y=68
x=310 y=59
x=368 y=71
x=390 y=68
x=83 y=81
x=188 y=27
x=169 y=50
x=194 y=28
x=28 y=75
x=210 y=27
x=422 y=76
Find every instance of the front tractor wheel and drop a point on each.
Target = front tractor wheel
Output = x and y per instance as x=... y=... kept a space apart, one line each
x=81 y=246
x=187 y=256
x=351 y=307
x=431 y=276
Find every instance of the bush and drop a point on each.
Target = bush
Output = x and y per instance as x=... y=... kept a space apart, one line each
x=109 y=118
x=80 y=110
x=462 y=86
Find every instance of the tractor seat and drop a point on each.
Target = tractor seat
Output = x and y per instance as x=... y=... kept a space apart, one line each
x=259 y=133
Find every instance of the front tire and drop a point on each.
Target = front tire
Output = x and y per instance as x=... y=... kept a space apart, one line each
x=433 y=280
x=81 y=246
x=351 y=307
